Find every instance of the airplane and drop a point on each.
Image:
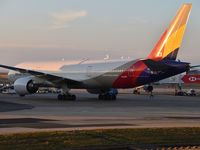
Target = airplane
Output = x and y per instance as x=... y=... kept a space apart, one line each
x=104 y=77
x=192 y=77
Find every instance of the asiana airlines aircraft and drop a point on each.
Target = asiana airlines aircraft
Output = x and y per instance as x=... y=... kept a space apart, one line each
x=104 y=77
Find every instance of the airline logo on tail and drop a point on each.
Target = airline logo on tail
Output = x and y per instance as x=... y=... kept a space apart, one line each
x=170 y=42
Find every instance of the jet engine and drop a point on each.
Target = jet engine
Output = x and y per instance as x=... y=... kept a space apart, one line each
x=25 y=86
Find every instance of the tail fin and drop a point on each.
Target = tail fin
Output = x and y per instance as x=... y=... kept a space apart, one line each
x=170 y=42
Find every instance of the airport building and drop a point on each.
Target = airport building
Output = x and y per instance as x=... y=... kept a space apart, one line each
x=4 y=77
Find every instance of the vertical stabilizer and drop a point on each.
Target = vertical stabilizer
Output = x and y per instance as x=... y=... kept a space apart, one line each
x=170 y=42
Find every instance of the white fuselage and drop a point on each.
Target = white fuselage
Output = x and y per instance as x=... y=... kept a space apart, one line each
x=70 y=69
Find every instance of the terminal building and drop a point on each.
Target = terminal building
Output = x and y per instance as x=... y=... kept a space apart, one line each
x=4 y=78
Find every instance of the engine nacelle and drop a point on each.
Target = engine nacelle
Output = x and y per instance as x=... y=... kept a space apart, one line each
x=25 y=86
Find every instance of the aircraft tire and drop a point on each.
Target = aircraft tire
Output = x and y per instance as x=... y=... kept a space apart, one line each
x=106 y=97
x=100 y=97
x=72 y=97
x=22 y=95
x=60 y=97
x=66 y=97
x=114 y=97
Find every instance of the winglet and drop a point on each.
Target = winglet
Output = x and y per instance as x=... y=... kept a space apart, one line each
x=170 y=42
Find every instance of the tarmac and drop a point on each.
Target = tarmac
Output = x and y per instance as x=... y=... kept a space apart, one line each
x=43 y=112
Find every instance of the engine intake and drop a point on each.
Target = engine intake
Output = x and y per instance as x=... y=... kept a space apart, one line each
x=25 y=86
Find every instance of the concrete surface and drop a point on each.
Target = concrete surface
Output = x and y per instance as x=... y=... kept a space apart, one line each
x=43 y=112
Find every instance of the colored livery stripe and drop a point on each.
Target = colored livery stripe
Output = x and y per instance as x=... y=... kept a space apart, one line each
x=171 y=40
x=166 y=49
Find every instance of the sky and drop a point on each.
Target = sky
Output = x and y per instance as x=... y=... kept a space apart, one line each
x=53 y=30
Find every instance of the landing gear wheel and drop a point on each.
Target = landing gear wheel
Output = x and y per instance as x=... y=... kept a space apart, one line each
x=66 y=97
x=114 y=97
x=60 y=97
x=106 y=97
x=73 y=97
x=100 y=97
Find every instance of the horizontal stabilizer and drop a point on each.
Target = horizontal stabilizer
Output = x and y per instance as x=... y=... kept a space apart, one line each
x=164 y=65
x=197 y=66
x=156 y=65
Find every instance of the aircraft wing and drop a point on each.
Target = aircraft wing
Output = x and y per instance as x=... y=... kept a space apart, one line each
x=47 y=76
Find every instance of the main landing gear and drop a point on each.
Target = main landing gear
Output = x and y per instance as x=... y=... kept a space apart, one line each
x=107 y=96
x=68 y=96
x=149 y=89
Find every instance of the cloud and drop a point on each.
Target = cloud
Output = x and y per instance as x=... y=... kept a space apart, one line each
x=62 y=19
